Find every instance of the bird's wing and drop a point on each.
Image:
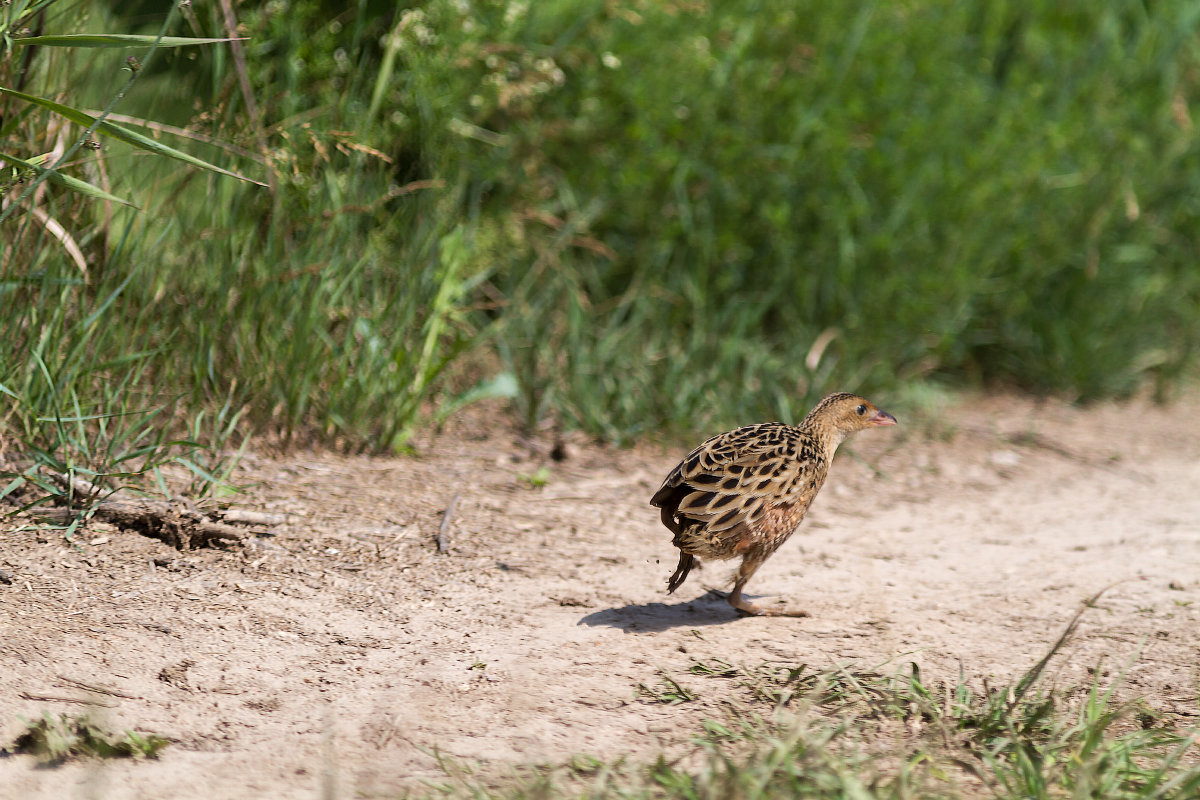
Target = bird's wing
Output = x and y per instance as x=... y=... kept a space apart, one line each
x=733 y=480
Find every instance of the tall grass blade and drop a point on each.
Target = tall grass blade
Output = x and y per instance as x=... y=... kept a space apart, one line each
x=122 y=134
x=66 y=181
x=114 y=40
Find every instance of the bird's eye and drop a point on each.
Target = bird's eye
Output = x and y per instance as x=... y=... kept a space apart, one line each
x=860 y=410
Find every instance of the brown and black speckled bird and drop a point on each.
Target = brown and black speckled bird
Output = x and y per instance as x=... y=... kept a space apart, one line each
x=744 y=492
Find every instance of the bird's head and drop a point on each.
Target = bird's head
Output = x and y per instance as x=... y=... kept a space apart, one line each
x=841 y=414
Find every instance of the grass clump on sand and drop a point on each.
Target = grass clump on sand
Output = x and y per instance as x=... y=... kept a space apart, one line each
x=847 y=732
x=55 y=738
x=850 y=733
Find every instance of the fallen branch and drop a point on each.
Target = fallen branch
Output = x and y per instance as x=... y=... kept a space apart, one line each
x=169 y=521
x=177 y=522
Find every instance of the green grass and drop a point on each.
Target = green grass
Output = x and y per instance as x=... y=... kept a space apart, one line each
x=924 y=183
x=848 y=732
x=325 y=307
x=54 y=739
x=628 y=220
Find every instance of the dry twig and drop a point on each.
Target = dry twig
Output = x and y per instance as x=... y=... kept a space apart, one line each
x=447 y=515
x=177 y=521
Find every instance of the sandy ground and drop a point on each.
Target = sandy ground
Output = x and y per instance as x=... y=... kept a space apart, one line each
x=334 y=655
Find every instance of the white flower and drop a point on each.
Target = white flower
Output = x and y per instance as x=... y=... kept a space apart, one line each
x=515 y=11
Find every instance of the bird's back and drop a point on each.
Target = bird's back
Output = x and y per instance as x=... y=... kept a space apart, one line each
x=741 y=488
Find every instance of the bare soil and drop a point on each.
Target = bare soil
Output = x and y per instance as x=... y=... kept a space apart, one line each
x=333 y=656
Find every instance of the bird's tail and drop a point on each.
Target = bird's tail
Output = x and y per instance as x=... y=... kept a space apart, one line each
x=686 y=562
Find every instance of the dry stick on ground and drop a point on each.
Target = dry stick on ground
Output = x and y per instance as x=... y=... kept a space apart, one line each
x=51 y=698
x=442 y=546
x=176 y=522
x=253 y=517
x=95 y=687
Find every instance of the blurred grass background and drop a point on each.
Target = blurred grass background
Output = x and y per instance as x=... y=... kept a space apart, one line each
x=628 y=217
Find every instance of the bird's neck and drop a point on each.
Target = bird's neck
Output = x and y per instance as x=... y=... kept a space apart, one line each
x=826 y=437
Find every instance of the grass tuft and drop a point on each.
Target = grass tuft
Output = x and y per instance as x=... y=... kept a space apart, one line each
x=54 y=739
x=848 y=732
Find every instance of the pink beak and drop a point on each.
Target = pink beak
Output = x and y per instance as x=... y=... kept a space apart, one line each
x=882 y=418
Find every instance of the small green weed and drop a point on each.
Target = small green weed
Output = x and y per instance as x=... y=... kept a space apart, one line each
x=56 y=738
x=536 y=479
x=668 y=691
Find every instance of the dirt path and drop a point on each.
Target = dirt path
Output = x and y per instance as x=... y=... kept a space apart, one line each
x=345 y=647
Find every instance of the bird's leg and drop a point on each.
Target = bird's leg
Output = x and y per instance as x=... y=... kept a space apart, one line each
x=686 y=562
x=750 y=565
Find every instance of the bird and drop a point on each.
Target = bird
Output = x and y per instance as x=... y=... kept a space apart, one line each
x=745 y=491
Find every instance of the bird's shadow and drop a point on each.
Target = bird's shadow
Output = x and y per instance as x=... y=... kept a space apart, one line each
x=710 y=608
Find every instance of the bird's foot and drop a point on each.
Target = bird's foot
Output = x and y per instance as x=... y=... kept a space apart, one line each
x=748 y=609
